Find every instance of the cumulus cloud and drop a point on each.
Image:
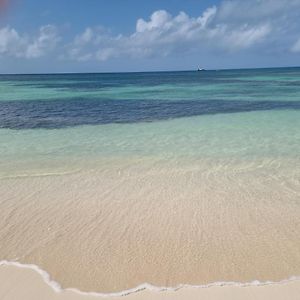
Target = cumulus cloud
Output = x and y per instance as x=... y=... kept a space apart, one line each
x=23 y=46
x=216 y=28
x=46 y=41
x=10 y=41
x=164 y=34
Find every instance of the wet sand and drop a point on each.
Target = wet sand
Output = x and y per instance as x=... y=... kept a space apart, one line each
x=110 y=229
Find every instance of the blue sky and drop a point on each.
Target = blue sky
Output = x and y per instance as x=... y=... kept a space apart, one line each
x=135 y=35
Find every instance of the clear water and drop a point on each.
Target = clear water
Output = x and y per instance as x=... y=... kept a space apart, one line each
x=172 y=178
x=53 y=121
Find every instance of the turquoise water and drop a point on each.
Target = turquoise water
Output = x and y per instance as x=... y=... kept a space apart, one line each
x=255 y=85
x=62 y=122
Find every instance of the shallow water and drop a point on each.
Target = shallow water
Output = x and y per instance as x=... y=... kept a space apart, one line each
x=112 y=180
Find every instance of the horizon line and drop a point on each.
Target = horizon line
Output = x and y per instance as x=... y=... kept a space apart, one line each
x=157 y=71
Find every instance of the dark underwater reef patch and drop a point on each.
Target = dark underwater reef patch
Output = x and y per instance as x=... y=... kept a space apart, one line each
x=75 y=112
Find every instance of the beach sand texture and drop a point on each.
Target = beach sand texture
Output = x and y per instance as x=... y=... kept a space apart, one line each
x=110 y=230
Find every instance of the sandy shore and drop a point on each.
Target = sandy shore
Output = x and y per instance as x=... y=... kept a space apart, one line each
x=112 y=228
x=26 y=284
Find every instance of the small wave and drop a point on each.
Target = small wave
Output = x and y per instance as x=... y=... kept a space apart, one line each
x=145 y=286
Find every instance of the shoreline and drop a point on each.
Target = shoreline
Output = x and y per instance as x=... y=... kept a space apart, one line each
x=29 y=282
x=217 y=234
x=129 y=187
x=56 y=286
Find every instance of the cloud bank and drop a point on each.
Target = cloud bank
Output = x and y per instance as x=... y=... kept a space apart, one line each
x=231 y=27
x=164 y=34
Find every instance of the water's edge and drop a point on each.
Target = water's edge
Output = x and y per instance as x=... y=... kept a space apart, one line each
x=145 y=286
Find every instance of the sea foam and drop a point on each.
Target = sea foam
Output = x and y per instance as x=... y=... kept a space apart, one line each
x=145 y=286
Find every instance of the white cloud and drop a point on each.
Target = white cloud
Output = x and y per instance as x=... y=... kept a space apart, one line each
x=159 y=19
x=85 y=37
x=10 y=42
x=246 y=36
x=164 y=34
x=232 y=26
x=43 y=43
x=15 y=45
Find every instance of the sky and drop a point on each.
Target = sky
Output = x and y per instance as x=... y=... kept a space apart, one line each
x=135 y=35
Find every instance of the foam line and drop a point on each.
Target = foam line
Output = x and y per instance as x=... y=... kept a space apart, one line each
x=145 y=286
